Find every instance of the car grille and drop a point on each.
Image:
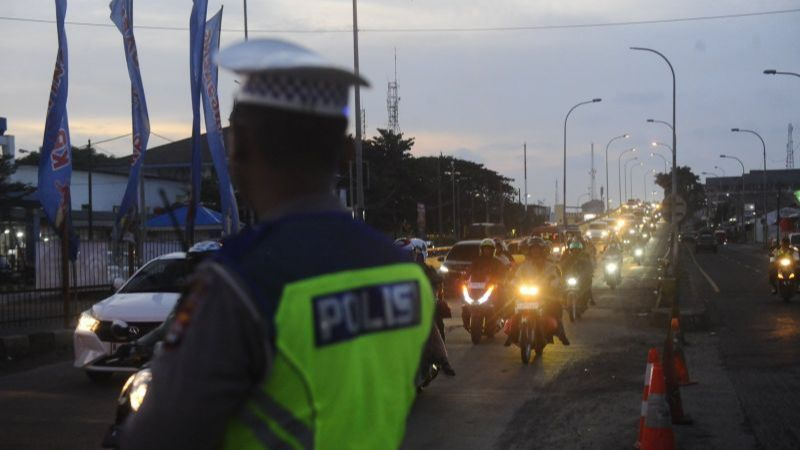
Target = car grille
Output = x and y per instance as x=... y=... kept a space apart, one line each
x=105 y=333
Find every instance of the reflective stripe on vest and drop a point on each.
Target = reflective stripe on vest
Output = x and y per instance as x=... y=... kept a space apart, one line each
x=347 y=348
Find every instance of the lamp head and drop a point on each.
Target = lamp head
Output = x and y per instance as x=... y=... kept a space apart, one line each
x=735 y=130
x=626 y=135
x=597 y=100
x=654 y=144
x=770 y=72
x=650 y=120
x=722 y=156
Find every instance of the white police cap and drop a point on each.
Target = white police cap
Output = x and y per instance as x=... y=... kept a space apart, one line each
x=284 y=75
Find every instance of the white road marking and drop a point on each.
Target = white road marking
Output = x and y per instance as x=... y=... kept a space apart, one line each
x=707 y=277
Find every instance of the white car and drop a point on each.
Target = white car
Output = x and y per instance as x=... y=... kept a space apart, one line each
x=140 y=305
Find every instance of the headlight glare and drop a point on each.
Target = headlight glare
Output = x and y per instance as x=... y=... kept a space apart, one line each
x=87 y=322
x=611 y=267
x=444 y=269
x=572 y=281
x=138 y=388
x=786 y=262
x=528 y=290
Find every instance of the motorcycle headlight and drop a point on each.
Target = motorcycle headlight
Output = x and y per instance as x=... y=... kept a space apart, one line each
x=631 y=232
x=528 y=290
x=780 y=276
x=87 y=322
x=785 y=262
x=556 y=249
x=791 y=275
x=465 y=292
x=138 y=384
x=572 y=281
x=611 y=267
x=486 y=295
x=645 y=235
x=444 y=269
x=638 y=252
x=604 y=233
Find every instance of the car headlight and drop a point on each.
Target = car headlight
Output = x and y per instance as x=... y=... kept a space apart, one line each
x=138 y=384
x=638 y=252
x=444 y=269
x=785 y=262
x=528 y=290
x=572 y=281
x=611 y=267
x=87 y=322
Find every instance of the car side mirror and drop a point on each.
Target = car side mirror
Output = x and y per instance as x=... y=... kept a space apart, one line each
x=117 y=283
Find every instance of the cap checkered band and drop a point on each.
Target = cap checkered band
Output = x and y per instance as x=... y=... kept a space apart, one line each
x=290 y=91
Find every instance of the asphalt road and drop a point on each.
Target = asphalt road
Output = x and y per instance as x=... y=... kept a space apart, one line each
x=758 y=340
x=585 y=396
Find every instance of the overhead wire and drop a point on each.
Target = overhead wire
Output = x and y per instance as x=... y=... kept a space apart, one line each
x=433 y=29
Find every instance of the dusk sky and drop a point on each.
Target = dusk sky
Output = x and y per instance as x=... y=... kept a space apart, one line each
x=474 y=94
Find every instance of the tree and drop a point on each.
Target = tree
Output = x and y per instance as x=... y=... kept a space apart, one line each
x=11 y=190
x=689 y=187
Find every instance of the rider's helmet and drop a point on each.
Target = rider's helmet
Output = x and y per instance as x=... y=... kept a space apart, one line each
x=537 y=249
x=487 y=248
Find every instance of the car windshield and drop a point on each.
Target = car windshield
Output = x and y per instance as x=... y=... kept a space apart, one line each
x=161 y=275
x=463 y=252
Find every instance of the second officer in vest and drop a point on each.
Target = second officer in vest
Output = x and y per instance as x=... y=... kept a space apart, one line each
x=306 y=332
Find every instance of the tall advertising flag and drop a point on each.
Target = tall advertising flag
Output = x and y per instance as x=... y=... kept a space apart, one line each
x=55 y=164
x=197 y=25
x=216 y=141
x=122 y=16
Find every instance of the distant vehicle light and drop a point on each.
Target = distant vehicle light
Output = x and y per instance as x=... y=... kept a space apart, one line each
x=444 y=269
x=572 y=281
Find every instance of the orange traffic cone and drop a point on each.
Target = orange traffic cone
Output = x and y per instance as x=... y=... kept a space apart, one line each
x=673 y=386
x=681 y=369
x=657 y=433
x=652 y=358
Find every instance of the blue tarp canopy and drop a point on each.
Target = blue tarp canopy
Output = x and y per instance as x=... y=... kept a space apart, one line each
x=205 y=218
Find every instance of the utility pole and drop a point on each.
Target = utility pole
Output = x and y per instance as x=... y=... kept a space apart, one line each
x=525 y=166
x=359 y=210
x=439 y=190
x=245 y=20
x=592 y=174
x=89 y=176
x=790 y=150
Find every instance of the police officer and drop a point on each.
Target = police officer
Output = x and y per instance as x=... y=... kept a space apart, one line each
x=307 y=332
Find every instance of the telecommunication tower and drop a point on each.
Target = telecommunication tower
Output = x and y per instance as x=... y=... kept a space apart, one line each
x=393 y=101
x=790 y=150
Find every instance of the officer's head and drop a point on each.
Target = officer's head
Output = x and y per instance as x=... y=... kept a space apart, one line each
x=289 y=120
x=486 y=249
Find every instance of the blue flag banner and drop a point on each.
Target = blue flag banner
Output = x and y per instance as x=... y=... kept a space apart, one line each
x=122 y=16
x=55 y=164
x=216 y=141
x=197 y=25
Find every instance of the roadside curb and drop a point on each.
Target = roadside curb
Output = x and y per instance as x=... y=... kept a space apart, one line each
x=37 y=343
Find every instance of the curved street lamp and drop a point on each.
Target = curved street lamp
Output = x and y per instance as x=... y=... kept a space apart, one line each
x=741 y=197
x=660 y=121
x=764 y=176
x=721 y=170
x=564 y=179
x=775 y=72
x=608 y=192
x=619 y=173
x=631 y=176
x=674 y=136
x=625 y=175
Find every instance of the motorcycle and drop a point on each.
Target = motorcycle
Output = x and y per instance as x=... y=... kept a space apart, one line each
x=478 y=312
x=129 y=401
x=533 y=328
x=787 y=281
x=612 y=272
x=576 y=296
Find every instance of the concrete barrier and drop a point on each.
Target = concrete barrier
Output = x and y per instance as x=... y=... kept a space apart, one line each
x=37 y=343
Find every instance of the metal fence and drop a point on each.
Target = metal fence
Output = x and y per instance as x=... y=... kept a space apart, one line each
x=30 y=290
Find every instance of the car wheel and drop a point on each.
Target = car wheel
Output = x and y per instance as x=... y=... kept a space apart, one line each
x=98 y=377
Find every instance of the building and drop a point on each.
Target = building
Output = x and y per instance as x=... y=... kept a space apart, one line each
x=785 y=181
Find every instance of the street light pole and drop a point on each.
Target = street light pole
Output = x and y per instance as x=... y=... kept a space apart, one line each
x=631 y=174
x=741 y=197
x=764 y=176
x=619 y=173
x=674 y=146
x=625 y=175
x=662 y=158
x=564 y=179
x=608 y=196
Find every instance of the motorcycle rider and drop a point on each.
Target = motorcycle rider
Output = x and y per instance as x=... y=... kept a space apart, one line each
x=538 y=266
x=578 y=258
x=435 y=349
x=488 y=266
x=785 y=250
